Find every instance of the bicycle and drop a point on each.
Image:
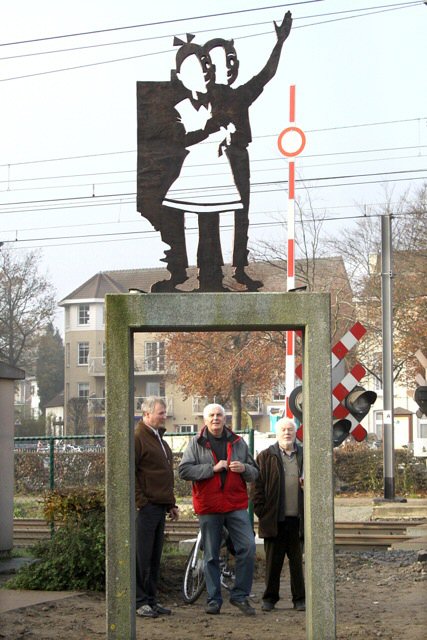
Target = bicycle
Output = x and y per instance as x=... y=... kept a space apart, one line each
x=194 y=577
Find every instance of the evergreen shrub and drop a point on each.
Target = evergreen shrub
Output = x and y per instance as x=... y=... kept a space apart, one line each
x=74 y=558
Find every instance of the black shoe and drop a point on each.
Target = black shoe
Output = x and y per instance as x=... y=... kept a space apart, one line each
x=213 y=607
x=299 y=605
x=145 y=611
x=267 y=605
x=242 y=278
x=162 y=611
x=244 y=607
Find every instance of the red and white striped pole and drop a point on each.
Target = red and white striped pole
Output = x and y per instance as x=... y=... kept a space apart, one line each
x=291 y=133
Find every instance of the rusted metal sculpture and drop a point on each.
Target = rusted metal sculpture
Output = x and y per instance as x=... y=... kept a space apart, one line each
x=173 y=118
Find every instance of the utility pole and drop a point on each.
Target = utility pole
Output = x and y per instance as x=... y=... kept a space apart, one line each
x=387 y=372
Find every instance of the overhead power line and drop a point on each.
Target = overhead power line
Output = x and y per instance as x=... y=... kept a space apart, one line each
x=269 y=135
x=11 y=182
x=150 y=233
x=383 y=9
x=156 y=23
x=202 y=17
x=208 y=192
x=171 y=35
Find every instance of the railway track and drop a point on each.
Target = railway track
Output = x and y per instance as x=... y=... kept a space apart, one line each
x=348 y=535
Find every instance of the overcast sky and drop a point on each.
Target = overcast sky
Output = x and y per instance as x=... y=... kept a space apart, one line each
x=68 y=118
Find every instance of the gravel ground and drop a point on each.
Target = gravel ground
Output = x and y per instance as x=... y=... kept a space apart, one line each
x=380 y=594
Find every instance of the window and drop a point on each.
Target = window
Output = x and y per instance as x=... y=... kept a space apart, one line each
x=83 y=353
x=83 y=314
x=104 y=351
x=67 y=354
x=187 y=428
x=154 y=356
x=155 y=389
x=83 y=389
x=422 y=429
x=279 y=392
x=378 y=426
x=67 y=317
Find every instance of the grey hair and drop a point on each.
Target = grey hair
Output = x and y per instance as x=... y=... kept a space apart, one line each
x=209 y=408
x=149 y=404
x=284 y=421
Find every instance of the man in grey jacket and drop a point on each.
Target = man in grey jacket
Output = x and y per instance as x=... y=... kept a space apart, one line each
x=219 y=464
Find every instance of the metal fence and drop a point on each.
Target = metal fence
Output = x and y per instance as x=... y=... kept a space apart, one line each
x=49 y=462
x=60 y=462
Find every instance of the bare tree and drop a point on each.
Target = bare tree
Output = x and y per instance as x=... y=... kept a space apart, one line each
x=317 y=267
x=360 y=246
x=27 y=305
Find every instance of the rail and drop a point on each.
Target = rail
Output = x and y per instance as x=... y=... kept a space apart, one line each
x=348 y=535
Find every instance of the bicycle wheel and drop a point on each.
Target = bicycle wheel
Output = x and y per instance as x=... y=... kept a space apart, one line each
x=194 y=577
x=227 y=570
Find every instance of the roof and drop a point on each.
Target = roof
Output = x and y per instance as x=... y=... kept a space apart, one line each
x=57 y=401
x=8 y=372
x=272 y=274
x=401 y=411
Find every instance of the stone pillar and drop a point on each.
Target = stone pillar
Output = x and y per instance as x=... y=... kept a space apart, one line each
x=318 y=484
x=8 y=375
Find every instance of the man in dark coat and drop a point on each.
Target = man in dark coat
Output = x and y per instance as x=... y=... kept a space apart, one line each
x=154 y=499
x=278 y=503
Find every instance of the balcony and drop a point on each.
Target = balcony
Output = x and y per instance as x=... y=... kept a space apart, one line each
x=140 y=399
x=142 y=366
x=96 y=366
x=96 y=406
x=251 y=404
x=149 y=366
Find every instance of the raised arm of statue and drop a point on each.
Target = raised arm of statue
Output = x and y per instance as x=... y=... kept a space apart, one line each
x=268 y=72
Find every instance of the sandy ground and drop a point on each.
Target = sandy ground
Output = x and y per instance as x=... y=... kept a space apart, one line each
x=379 y=595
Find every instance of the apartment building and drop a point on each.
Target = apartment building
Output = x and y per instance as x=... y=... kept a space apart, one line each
x=85 y=350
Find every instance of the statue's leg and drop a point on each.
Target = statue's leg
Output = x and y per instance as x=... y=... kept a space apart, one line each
x=209 y=253
x=172 y=232
x=239 y=162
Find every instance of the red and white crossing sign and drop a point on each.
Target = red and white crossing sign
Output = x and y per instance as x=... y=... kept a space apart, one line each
x=344 y=382
x=347 y=342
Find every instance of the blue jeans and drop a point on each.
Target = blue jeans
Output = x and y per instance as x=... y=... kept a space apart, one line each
x=243 y=539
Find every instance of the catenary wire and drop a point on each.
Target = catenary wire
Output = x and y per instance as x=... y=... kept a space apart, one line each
x=269 y=135
x=199 y=31
x=108 y=237
x=143 y=55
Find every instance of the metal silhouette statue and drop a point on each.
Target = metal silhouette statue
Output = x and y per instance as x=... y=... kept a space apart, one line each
x=199 y=104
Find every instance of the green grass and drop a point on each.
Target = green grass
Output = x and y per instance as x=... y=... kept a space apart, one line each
x=28 y=506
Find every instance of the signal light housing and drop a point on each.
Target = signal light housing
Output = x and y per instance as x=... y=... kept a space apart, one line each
x=420 y=397
x=359 y=401
x=295 y=402
x=340 y=431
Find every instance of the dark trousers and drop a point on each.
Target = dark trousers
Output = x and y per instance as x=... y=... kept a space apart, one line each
x=287 y=543
x=150 y=528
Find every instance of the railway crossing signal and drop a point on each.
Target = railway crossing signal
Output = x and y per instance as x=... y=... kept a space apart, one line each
x=350 y=402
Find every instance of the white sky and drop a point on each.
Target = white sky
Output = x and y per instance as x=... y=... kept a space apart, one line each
x=66 y=137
